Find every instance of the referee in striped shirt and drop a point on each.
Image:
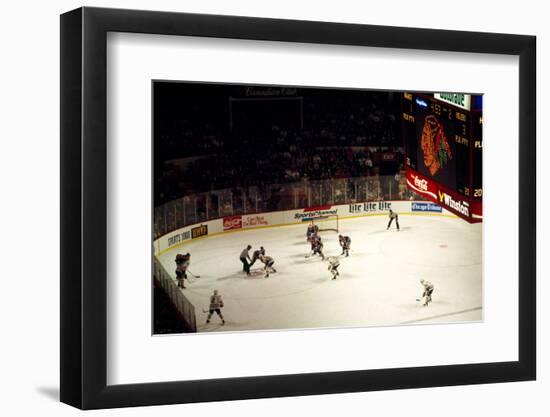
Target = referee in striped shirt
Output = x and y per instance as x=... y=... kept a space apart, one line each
x=393 y=216
x=245 y=257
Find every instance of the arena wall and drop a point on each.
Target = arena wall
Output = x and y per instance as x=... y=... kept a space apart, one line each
x=231 y=224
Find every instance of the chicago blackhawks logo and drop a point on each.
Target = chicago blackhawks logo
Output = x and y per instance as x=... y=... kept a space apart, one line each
x=434 y=144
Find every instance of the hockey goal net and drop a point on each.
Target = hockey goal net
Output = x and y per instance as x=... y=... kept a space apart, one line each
x=327 y=223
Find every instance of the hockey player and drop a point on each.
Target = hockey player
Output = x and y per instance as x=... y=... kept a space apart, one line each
x=333 y=264
x=312 y=230
x=427 y=293
x=182 y=263
x=256 y=255
x=392 y=215
x=312 y=241
x=317 y=246
x=245 y=257
x=216 y=304
x=345 y=243
x=268 y=262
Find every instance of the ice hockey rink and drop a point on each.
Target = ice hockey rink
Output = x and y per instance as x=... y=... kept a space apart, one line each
x=378 y=282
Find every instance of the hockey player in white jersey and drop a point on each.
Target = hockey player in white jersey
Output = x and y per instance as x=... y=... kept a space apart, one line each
x=427 y=293
x=268 y=262
x=216 y=304
x=333 y=264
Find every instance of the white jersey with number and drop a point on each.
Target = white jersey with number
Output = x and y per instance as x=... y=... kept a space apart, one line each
x=266 y=259
x=334 y=262
x=428 y=285
x=185 y=265
x=216 y=302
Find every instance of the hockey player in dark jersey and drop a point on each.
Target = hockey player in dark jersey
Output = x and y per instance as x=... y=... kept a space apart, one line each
x=256 y=255
x=182 y=263
x=393 y=216
x=317 y=246
x=345 y=243
x=312 y=241
x=312 y=230
x=268 y=262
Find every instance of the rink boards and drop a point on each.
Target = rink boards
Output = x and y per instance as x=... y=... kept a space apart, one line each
x=379 y=282
x=231 y=224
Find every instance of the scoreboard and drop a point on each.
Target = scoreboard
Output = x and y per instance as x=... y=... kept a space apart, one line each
x=477 y=155
x=443 y=148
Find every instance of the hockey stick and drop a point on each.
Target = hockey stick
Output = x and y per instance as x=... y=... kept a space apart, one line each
x=195 y=276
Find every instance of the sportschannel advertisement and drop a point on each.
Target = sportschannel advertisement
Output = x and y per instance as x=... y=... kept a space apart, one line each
x=179 y=237
x=315 y=212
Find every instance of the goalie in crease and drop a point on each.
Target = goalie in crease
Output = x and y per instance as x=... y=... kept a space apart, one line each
x=312 y=230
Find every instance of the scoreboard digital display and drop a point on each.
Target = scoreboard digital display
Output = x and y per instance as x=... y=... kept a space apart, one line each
x=477 y=156
x=438 y=141
x=443 y=150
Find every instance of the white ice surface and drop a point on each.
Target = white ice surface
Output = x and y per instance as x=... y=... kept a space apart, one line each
x=378 y=283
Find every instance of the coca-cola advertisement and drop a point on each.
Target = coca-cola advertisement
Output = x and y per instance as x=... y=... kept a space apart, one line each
x=444 y=196
x=232 y=223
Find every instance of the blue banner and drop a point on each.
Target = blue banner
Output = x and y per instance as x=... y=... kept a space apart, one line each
x=431 y=207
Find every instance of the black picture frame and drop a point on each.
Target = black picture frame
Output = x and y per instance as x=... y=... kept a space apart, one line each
x=84 y=207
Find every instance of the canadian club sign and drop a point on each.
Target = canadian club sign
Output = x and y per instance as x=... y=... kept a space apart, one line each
x=468 y=209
